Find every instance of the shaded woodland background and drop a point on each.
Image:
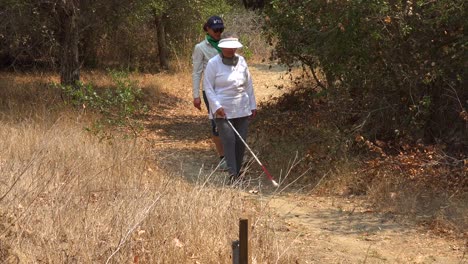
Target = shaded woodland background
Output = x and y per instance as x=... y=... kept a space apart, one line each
x=377 y=110
x=386 y=77
x=394 y=68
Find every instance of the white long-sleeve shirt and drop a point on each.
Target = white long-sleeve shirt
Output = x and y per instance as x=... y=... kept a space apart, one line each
x=202 y=53
x=229 y=87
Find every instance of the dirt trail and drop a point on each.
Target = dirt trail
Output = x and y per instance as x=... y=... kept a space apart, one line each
x=326 y=229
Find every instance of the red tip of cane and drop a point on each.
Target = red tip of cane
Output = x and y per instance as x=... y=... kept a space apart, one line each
x=269 y=176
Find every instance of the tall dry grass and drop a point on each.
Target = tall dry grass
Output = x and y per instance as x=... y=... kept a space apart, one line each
x=422 y=182
x=67 y=197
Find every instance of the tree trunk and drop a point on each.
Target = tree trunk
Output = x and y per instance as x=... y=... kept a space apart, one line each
x=89 y=53
x=254 y=4
x=69 y=60
x=161 y=39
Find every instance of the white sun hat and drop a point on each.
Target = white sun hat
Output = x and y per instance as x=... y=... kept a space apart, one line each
x=230 y=43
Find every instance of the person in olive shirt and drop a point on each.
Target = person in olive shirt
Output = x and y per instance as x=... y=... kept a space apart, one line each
x=203 y=52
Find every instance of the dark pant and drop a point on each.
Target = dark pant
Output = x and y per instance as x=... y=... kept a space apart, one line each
x=233 y=147
x=214 y=129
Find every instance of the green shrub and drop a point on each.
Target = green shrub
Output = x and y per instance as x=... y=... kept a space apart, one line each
x=117 y=105
x=390 y=66
x=248 y=25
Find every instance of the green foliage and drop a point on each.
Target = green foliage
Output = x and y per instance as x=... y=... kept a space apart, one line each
x=185 y=23
x=391 y=65
x=214 y=7
x=248 y=25
x=246 y=51
x=117 y=105
x=112 y=33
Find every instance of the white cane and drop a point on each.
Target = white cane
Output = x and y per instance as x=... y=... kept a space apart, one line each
x=253 y=154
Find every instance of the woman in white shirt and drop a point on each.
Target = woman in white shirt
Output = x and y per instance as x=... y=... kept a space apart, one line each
x=202 y=53
x=229 y=89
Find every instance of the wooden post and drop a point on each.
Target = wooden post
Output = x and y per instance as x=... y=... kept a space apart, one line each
x=235 y=252
x=243 y=241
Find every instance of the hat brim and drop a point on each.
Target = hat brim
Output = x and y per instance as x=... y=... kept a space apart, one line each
x=231 y=44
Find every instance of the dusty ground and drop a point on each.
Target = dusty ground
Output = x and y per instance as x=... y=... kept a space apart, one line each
x=325 y=229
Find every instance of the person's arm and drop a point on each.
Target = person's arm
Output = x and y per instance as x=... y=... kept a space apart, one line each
x=209 y=85
x=250 y=92
x=197 y=61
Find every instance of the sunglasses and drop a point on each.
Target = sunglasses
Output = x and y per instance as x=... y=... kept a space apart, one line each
x=218 y=30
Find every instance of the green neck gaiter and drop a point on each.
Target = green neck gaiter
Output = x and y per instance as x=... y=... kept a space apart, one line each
x=213 y=42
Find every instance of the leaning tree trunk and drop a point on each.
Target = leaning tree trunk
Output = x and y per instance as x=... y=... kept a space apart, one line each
x=254 y=4
x=69 y=60
x=161 y=39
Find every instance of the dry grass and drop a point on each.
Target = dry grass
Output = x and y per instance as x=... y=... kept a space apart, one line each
x=422 y=182
x=66 y=197
x=248 y=25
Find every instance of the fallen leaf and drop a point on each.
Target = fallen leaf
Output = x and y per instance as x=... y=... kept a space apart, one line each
x=177 y=243
x=253 y=191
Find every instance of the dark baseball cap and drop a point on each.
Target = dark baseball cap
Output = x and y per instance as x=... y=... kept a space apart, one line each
x=215 y=22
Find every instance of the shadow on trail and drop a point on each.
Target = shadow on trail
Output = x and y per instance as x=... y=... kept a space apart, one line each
x=347 y=223
x=182 y=128
x=325 y=215
x=165 y=118
x=159 y=100
x=269 y=67
x=181 y=138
